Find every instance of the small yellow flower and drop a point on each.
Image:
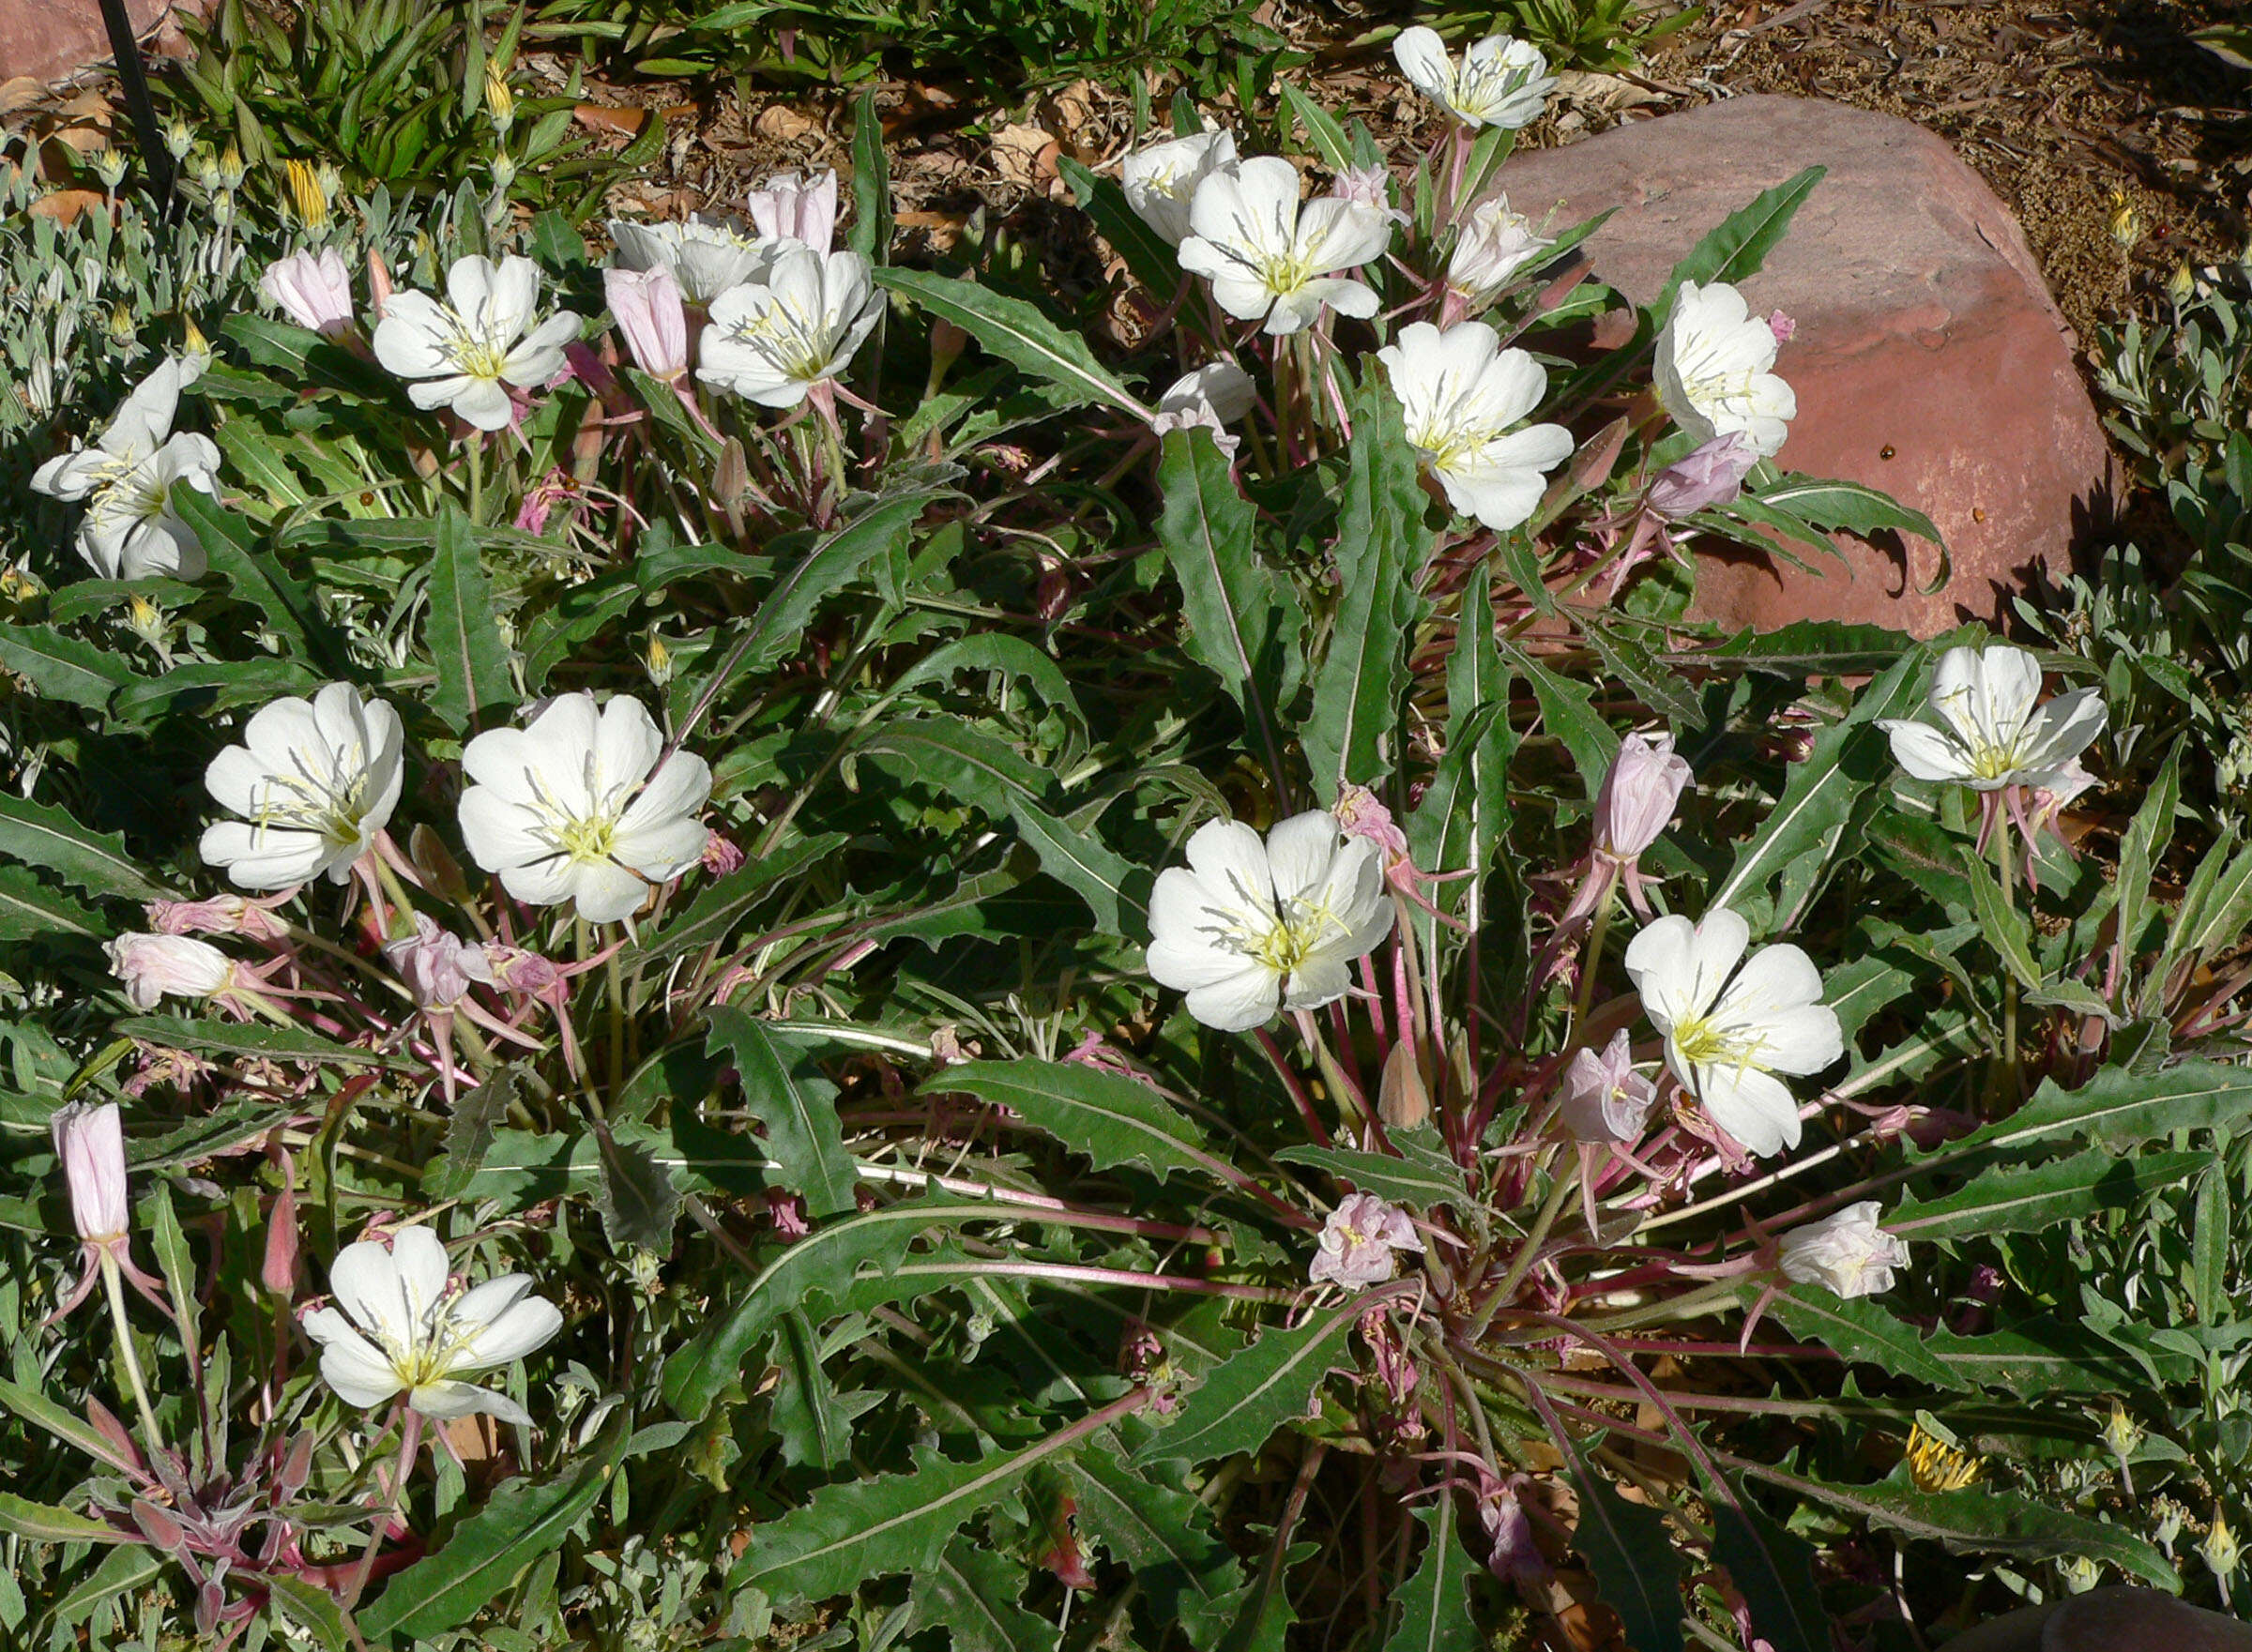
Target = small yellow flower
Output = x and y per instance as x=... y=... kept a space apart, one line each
x=2126 y=221
x=146 y=620
x=500 y=102
x=1937 y=1465
x=192 y=342
x=305 y=194
x=2182 y=284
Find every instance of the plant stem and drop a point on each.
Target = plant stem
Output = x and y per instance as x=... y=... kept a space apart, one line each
x=1689 y=1305
x=115 y=1285
x=476 y=478
x=2003 y=863
x=1584 y=998
x=1521 y=1264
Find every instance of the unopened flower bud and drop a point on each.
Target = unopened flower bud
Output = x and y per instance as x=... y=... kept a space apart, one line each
x=1639 y=796
x=1603 y=1100
x=1367 y=186
x=504 y=172
x=1714 y=475
x=656 y=660
x=651 y=318
x=90 y=1139
x=222 y=914
x=2121 y=1435
x=2220 y=1549
x=179 y=137
x=305 y=196
x=2126 y=221
x=313 y=289
x=146 y=620
x=500 y=101
x=2182 y=284
x=108 y=166
x=1495 y=246
x=1360 y=1242
x=156 y=966
x=797 y=206
x=1847 y=1253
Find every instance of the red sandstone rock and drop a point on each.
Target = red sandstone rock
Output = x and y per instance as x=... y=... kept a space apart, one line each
x=1929 y=361
x=2119 y=1619
x=54 y=39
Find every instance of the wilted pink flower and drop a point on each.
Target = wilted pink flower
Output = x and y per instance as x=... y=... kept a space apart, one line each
x=1367 y=186
x=1360 y=814
x=788 y=1213
x=1848 y=1253
x=1514 y=1558
x=1359 y=1241
x=1637 y=799
x=437 y=967
x=1605 y=1101
x=313 y=289
x=154 y=967
x=722 y=854
x=91 y=1139
x=222 y=914
x=1781 y=326
x=1714 y=475
x=651 y=318
x=798 y=207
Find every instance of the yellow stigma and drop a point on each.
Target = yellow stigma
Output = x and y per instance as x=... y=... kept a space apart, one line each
x=588 y=839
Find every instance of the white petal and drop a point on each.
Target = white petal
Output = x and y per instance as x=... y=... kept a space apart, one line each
x=604 y=892
x=449 y=1399
x=1242 y=1001
x=1299 y=851
x=526 y=1325
x=1925 y=753
x=364 y=1280
x=1753 y=1107
x=349 y=1364
x=1422 y=58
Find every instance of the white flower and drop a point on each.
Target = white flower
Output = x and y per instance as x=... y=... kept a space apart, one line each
x=706 y=255
x=770 y=340
x=1728 y=1031
x=1215 y=396
x=1161 y=180
x=1250 y=925
x=1993 y=731
x=1361 y=1242
x=130 y=530
x=568 y=808
x=462 y=353
x=1269 y=256
x=1848 y=1252
x=313 y=289
x=1495 y=246
x=1461 y=392
x=1499 y=82
x=313 y=780
x=798 y=206
x=154 y=967
x=1711 y=368
x=405 y=1335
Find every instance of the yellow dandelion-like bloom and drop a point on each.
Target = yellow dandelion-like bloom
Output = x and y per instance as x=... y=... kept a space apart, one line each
x=2126 y=221
x=1937 y=1466
x=306 y=197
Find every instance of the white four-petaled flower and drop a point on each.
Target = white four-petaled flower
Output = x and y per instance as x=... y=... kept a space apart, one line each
x=1729 y=1030
x=400 y=1331
x=1461 y=392
x=1251 y=926
x=313 y=780
x=1501 y=81
x=1270 y=255
x=798 y=324
x=1496 y=244
x=706 y=255
x=1848 y=1253
x=1993 y=731
x=567 y=809
x=1713 y=365
x=132 y=530
x=1161 y=180
x=463 y=352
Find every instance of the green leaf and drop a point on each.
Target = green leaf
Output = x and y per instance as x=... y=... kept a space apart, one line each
x=1741 y=243
x=1465 y=811
x=1111 y=1118
x=1350 y=736
x=253 y=575
x=1568 y=714
x=1182 y=1566
x=1989 y=1519
x=469 y=1132
x=1637 y=1563
x=799 y=1107
x=2023 y=1199
x=1243 y=620
x=1018 y=333
x=30 y=909
x=814 y=1429
x=870 y=232
x=40 y=1412
x=710 y=919
x=960 y=758
x=309 y=1608
x=1814 y=648
x=218 y=1038
x=636 y=1198
x=1435 y=1607
x=2048 y=1356
x=62 y=668
x=1147 y=253
x=474 y=686
x=1818 y=799
x=1107 y=881
x=2209 y=1246
x=44 y=1523
x=1774 y=1571
x=2118 y=1108
x=51 y=839
x=976 y=1596
x=1853 y=507
x=1253 y=1393
x=1856 y=1330
x=521 y=1522
x=1422 y=1175
x=1999 y=918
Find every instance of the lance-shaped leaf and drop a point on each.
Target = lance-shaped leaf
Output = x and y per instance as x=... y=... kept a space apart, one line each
x=1853 y=507
x=1856 y=1330
x=1419 y=1174
x=253 y=575
x=1182 y=1566
x=976 y=1596
x=1465 y=809
x=1637 y=1563
x=1147 y=253
x=44 y=1523
x=61 y=667
x=1740 y=242
x=1435 y=1607
x=1111 y=1118
x=1351 y=735
x=1019 y=334
x=29 y=908
x=1241 y=618
x=1257 y=1391
x=2023 y=1199
x=797 y=1106
x=49 y=838
x=1111 y=884
x=2050 y=1356
x=218 y=1038
x=1772 y=1570
x=2118 y=1108
x=474 y=685
x=962 y=760
x=711 y=919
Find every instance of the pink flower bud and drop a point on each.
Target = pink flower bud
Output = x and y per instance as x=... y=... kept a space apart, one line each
x=1781 y=326
x=437 y=967
x=1367 y=186
x=523 y=971
x=1359 y=1242
x=651 y=317
x=1605 y=1101
x=379 y=282
x=278 y=1272
x=154 y=966
x=313 y=289
x=1714 y=475
x=91 y=1141
x=800 y=206
x=1639 y=795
